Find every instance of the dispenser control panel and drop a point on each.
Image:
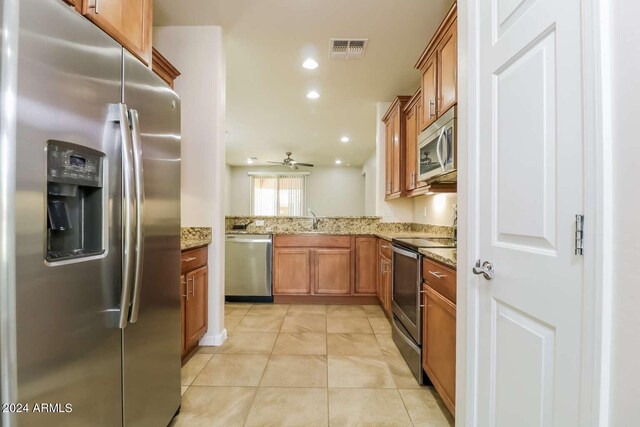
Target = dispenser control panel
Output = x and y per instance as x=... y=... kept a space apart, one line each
x=67 y=165
x=76 y=202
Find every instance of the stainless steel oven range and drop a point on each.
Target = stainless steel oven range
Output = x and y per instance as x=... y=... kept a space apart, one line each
x=407 y=296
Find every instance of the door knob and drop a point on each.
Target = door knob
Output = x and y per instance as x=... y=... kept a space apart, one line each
x=486 y=269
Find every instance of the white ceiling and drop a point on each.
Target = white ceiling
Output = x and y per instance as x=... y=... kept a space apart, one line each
x=266 y=42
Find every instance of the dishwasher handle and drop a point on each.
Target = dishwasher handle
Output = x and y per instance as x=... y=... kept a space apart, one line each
x=236 y=240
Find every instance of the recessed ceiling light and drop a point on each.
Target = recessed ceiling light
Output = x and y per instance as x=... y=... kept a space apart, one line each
x=345 y=139
x=310 y=64
x=313 y=95
x=338 y=162
x=250 y=160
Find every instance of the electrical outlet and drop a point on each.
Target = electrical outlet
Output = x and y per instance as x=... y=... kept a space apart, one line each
x=260 y=222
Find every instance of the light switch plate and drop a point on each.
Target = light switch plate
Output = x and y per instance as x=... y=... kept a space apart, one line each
x=260 y=222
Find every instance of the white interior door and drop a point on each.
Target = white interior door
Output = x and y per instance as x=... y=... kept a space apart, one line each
x=530 y=189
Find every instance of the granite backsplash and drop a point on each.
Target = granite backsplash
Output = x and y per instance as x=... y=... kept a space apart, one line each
x=333 y=225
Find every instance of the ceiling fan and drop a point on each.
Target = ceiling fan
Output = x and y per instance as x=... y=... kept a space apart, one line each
x=289 y=162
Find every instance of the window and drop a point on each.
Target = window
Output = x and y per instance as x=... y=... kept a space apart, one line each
x=278 y=194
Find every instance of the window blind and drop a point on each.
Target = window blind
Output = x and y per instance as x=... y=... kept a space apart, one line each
x=278 y=194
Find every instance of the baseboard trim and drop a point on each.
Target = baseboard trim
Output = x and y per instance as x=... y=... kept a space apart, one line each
x=214 y=340
x=326 y=299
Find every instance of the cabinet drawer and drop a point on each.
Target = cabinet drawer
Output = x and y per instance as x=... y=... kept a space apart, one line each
x=440 y=278
x=192 y=259
x=385 y=248
x=306 y=241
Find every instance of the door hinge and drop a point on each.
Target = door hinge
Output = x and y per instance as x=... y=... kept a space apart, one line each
x=579 y=235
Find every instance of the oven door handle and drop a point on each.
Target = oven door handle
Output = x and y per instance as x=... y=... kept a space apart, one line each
x=404 y=252
x=404 y=338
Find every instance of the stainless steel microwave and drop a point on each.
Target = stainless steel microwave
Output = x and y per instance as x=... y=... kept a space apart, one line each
x=437 y=147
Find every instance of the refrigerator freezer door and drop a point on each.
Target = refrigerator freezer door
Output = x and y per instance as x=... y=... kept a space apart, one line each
x=152 y=344
x=68 y=343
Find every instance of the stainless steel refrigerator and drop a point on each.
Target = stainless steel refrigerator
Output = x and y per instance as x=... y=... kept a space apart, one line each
x=97 y=228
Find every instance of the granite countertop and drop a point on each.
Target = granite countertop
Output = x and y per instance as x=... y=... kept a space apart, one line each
x=194 y=237
x=302 y=232
x=193 y=243
x=447 y=256
x=390 y=235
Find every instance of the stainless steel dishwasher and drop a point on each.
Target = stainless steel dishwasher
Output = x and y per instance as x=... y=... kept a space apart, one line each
x=248 y=267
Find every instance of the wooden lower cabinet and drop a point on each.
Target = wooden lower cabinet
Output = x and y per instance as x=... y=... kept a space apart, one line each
x=332 y=271
x=385 y=277
x=183 y=312
x=439 y=344
x=196 y=312
x=329 y=268
x=194 y=302
x=292 y=271
x=366 y=258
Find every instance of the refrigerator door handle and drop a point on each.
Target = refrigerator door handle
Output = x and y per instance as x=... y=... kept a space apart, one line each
x=118 y=114
x=138 y=175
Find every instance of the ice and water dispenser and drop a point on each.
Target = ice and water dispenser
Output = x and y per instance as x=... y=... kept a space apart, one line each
x=75 y=201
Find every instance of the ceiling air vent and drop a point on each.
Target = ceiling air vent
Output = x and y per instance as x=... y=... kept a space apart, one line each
x=348 y=48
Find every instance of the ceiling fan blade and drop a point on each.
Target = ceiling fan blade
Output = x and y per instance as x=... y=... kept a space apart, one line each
x=309 y=165
x=276 y=163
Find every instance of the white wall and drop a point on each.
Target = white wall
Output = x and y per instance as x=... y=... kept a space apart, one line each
x=436 y=209
x=227 y=190
x=625 y=348
x=370 y=177
x=399 y=210
x=197 y=53
x=331 y=191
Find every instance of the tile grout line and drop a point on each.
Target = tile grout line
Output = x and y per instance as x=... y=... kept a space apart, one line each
x=253 y=399
x=326 y=349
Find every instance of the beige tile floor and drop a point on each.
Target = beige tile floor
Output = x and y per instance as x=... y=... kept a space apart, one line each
x=305 y=365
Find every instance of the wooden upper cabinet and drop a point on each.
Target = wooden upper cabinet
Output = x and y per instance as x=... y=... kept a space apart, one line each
x=413 y=123
x=332 y=271
x=448 y=68
x=127 y=21
x=388 y=144
x=196 y=305
x=75 y=3
x=398 y=150
x=291 y=271
x=439 y=67
x=395 y=148
x=163 y=68
x=366 y=258
x=429 y=91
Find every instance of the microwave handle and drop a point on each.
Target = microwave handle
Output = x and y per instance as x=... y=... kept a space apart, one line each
x=438 y=150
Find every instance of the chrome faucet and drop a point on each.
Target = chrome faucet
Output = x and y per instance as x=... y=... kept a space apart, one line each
x=315 y=219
